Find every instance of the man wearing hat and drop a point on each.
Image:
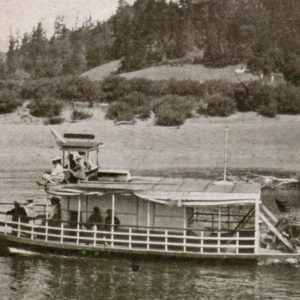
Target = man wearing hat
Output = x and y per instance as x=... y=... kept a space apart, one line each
x=57 y=173
x=77 y=173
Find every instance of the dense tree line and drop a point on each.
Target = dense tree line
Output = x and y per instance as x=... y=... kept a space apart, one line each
x=263 y=33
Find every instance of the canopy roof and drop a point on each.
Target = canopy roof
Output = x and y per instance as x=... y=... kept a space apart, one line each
x=179 y=191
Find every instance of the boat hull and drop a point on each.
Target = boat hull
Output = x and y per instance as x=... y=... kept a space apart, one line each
x=14 y=245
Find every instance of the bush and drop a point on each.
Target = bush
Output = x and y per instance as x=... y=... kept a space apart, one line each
x=45 y=107
x=172 y=110
x=80 y=115
x=288 y=99
x=218 y=105
x=53 y=121
x=79 y=89
x=141 y=85
x=114 y=87
x=119 y=111
x=269 y=110
x=8 y=101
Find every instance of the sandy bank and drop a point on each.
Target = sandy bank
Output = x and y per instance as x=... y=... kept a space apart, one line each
x=255 y=142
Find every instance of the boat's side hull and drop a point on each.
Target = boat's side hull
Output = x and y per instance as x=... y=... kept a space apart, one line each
x=82 y=250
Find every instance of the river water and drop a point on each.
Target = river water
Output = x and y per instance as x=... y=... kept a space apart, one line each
x=31 y=276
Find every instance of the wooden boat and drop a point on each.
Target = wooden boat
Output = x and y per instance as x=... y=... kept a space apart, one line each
x=151 y=216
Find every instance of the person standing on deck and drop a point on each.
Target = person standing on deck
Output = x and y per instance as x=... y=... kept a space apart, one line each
x=108 y=221
x=95 y=219
x=16 y=212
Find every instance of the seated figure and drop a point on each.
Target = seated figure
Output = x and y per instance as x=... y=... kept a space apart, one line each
x=56 y=175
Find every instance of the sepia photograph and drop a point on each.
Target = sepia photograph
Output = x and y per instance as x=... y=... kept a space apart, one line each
x=149 y=149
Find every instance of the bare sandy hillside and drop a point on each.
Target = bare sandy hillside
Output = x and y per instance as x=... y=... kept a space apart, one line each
x=180 y=72
x=255 y=142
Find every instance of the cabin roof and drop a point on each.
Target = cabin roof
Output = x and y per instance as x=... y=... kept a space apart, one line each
x=78 y=145
x=181 y=190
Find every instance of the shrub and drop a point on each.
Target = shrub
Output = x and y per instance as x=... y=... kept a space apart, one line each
x=80 y=115
x=36 y=89
x=172 y=110
x=119 y=111
x=79 y=89
x=269 y=110
x=8 y=101
x=114 y=87
x=288 y=99
x=45 y=107
x=141 y=85
x=218 y=105
x=53 y=121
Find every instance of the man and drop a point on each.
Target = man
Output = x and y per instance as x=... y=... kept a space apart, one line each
x=56 y=175
x=77 y=173
x=108 y=221
x=95 y=219
x=16 y=212
x=86 y=162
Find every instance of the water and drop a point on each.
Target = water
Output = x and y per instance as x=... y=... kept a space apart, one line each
x=55 y=277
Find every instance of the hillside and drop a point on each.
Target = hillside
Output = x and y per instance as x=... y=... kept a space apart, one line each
x=179 y=72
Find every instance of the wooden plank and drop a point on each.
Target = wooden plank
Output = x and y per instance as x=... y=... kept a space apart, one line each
x=276 y=232
x=79 y=136
x=268 y=212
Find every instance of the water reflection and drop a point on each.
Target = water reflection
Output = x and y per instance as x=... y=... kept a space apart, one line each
x=42 y=277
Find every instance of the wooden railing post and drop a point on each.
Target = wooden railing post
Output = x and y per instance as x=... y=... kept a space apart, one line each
x=166 y=240
x=32 y=228
x=112 y=236
x=46 y=233
x=77 y=234
x=95 y=235
x=19 y=227
x=5 y=225
x=219 y=242
x=148 y=238
x=201 y=242
x=62 y=232
x=237 y=242
x=130 y=237
x=184 y=240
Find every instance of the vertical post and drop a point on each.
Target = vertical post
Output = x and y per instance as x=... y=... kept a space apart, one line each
x=63 y=159
x=228 y=217
x=112 y=229
x=19 y=227
x=220 y=216
x=184 y=229
x=86 y=208
x=32 y=229
x=148 y=238
x=201 y=243
x=219 y=241
x=78 y=220
x=130 y=237
x=148 y=213
x=46 y=233
x=226 y=152
x=257 y=233
x=5 y=226
x=47 y=206
x=61 y=232
x=237 y=242
x=166 y=240
x=137 y=212
x=95 y=234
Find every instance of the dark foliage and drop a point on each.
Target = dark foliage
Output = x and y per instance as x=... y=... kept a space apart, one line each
x=8 y=101
x=119 y=111
x=80 y=115
x=45 y=107
x=218 y=105
x=172 y=110
x=53 y=121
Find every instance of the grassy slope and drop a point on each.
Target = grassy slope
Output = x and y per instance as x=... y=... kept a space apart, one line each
x=182 y=72
x=255 y=142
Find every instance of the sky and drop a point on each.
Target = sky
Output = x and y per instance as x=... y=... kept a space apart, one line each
x=20 y=16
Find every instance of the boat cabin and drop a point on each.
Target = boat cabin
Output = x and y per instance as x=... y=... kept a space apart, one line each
x=73 y=143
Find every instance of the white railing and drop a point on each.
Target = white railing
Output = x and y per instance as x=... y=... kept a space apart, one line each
x=132 y=237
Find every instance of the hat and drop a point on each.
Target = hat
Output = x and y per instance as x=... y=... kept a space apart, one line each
x=55 y=199
x=30 y=202
x=16 y=203
x=57 y=158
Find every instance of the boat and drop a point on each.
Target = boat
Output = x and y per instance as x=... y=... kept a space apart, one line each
x=149 y=216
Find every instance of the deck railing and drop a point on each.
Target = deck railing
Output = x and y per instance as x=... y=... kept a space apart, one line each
x=134 y=238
